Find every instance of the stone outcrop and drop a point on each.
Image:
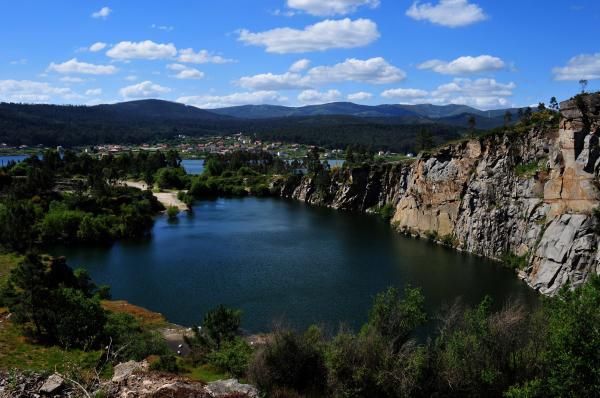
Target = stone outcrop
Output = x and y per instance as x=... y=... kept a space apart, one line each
x=134 y=381
x=530 y=194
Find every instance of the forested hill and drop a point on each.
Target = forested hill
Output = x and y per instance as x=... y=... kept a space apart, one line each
x=153 y=120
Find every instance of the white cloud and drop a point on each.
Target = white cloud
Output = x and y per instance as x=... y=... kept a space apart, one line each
x=323 y=8
x=71 y=79
x=144 y=89
x=319 y=97
x=450 y=13
x=300 y=65
x=98 y=46
x=74 y=66
x=481 y=93
x=146 y=49
x=201 y=57
x=584 y=66
x=324 y=35
x=404 y=93
x=94 y=92
x=22 y=61
x=374 y=70
x=102 y=13
x=360 y=96
x=184 y=72
x=465 y=65
x=31 y=92
x=270 y=81
x=131 y=78
x=166 y=28
x=216 y=101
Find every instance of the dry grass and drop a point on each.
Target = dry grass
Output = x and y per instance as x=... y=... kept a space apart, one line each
x=147 y=318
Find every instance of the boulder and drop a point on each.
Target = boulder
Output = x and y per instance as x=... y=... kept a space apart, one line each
x=123 y=370
x=223 y=388
x=52 y=385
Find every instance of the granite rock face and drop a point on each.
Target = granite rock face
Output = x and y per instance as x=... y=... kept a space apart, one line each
x=529 y=194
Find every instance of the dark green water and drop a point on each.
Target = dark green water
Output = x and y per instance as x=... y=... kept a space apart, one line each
x=280 y=260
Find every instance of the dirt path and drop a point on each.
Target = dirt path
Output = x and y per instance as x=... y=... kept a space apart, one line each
x=168 y=198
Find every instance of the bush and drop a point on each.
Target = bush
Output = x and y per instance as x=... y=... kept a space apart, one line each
x=166 y=363
x=233 y=357
x=172 y=212
x=289 y=361
x=130 y=340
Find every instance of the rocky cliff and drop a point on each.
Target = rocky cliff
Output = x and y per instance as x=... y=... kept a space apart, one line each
x=527 y=194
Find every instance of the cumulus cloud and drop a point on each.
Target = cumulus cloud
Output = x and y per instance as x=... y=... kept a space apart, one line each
x=404 y=93
x=481 y=93
x=98 y=46
x=223 y=101
x=300 y=65
x=146 y=49
x=270 y=81
x=74 y=66
x=324 y=35
x=360 y=96
x=584 y=66
x=373 y=70
x=450 y=13
x=71 y=79
x=166 y=28
x=93 y=92
x=319 y=97
x=31 y=91
x=145 y=89
x=184 y=72
x=323 y=8
x=188 y=55
x=465 y=65
x=102 y=13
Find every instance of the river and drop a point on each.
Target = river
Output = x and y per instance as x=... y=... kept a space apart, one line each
x=285 y=261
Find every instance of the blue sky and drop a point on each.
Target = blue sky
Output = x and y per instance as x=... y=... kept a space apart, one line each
x=483 y=53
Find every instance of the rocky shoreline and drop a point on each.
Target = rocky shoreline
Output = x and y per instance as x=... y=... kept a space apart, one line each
x=529 y=195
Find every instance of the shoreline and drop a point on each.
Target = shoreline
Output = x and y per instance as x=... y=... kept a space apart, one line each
x=168 y=198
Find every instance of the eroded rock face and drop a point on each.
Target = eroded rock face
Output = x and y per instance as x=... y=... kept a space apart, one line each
x=530 y=194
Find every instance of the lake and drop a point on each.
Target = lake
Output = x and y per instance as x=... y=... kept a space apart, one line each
x=193 y=166
x=285 y=261
x=4 y=160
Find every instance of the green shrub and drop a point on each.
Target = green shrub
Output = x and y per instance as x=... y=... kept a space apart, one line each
x=166 y=363
x=172 y=212
x=130 y=340
x=233 y=357
x=513 y=261
x=289 y=361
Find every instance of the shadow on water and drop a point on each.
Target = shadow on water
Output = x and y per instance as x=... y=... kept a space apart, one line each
x=278 y=259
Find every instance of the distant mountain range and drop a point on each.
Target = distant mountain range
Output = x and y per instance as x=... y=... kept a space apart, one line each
x=350 y=109
x=334 y=125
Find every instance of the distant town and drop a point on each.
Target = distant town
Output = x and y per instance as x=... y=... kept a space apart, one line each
x=199 y=147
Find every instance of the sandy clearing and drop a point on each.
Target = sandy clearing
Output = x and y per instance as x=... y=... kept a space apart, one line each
x=168 y=199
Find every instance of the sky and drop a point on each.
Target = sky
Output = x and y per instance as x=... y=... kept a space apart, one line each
x=484 y=53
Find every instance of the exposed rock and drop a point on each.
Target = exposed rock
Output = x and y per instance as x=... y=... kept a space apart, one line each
x=472 y=194
x=123 y=370
x=52 y=384
x=223 y=388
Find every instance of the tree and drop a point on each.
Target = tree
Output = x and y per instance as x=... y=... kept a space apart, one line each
x=520 y=114
x=507 y=118
x=527 y=114
x=573 y=357
x=222 y=324
x=54 y=304
x=583 y=83
x=472 y=122
x=541 y=107
x=424 y=140
x=554 y=104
